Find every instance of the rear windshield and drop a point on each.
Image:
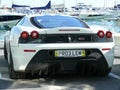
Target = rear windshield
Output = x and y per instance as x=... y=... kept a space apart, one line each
x=48 y=21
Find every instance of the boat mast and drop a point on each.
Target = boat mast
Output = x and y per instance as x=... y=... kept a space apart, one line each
x=12 y=10
x=116 y=7
x=64 y=6
x=0 y=3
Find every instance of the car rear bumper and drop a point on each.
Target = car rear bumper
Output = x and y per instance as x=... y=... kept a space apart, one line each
x=45 y=61
x=35 y=57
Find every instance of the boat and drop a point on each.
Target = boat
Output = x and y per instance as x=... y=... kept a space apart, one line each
x=91 y=15
x=87 y=12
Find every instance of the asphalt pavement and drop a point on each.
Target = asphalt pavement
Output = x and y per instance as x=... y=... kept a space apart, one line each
x=60 y=82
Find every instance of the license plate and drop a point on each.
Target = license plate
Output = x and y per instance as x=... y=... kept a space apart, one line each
x=70 y=53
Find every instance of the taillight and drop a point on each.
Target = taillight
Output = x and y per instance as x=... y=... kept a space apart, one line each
x=24 y=35
x=108 y=34
x=100 y=34
x=34 y=34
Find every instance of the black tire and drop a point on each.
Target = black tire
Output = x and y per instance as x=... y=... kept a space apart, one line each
x=12 y=73
x=103 y=73
x=16 y=75
x=5 y=51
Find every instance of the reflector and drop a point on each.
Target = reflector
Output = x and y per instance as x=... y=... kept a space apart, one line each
x=106 y=49
x=29 y=50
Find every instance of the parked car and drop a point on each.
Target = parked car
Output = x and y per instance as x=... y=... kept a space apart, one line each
x=52 y=44
x=7 y=21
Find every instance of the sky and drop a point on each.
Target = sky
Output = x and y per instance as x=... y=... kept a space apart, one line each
x=68 y=3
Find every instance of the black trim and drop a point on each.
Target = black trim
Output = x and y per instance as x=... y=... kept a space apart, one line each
x=65 y=38
x=34 y=23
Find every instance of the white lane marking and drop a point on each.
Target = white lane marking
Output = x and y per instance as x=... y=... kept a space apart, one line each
x=0 y=75
x=7 y=79
x=1 y=52
x=114 y=76
x=52 y=87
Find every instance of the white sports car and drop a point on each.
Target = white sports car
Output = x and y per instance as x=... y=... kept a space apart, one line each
x=51 y=44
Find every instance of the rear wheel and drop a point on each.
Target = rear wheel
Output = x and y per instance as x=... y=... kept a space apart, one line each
x=12 y=73
x=5 y=51
x=15 y=75
x=103 y=72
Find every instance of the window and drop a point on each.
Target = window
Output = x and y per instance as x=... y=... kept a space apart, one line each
x=49 y=21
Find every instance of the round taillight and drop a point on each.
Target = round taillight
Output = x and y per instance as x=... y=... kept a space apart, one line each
x=108 y=34
x=100 y=34
x=24 y=35
x=34 y=34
